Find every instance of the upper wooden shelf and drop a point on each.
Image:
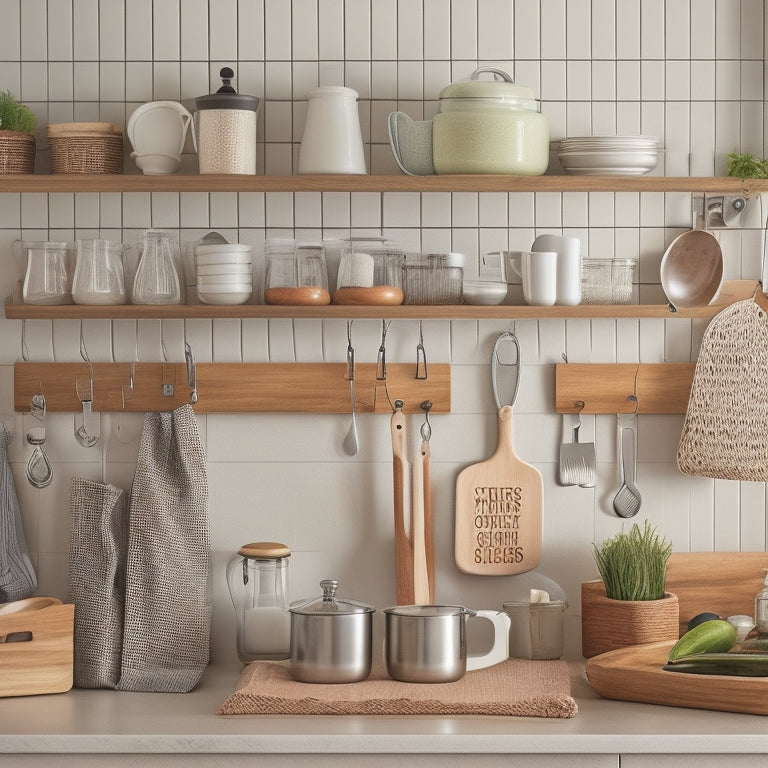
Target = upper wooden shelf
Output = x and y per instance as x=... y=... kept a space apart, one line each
x=392 y=183
x=733 y=290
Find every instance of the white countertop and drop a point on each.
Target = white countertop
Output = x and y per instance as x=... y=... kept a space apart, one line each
x=100 y=721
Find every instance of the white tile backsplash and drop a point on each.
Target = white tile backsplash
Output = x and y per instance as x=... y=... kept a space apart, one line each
x=690 y=73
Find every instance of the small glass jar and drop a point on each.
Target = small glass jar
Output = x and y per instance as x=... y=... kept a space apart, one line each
x=46 y=280
x=157 y=277
x=296 y=274
x=258 y=585
x=99 y=273
x=370 y=272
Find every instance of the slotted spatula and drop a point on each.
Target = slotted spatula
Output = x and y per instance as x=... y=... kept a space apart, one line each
x=577 y=461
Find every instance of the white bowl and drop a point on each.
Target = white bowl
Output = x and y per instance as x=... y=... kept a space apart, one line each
x=219 y=248
x=205 y=260
x=156 y=165
x=484 y=293
x=226 y=297
x=220 y=285
x=223 y=269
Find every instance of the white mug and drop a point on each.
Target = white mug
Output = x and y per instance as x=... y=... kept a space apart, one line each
x=538 y=271
x=568 y=266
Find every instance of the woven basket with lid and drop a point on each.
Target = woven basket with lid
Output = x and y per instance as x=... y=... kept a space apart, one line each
x=86 y=147
x=17 y=152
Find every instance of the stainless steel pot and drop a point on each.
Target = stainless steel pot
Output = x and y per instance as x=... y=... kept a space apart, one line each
x=330 y=638
x=428 y=643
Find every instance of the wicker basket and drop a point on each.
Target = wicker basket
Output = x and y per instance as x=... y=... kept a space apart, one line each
x=17 y=152
x=86 y=148
x=608 y=624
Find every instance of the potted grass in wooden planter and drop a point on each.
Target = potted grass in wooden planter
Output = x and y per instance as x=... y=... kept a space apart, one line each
x=630 y=605
x=17 y=142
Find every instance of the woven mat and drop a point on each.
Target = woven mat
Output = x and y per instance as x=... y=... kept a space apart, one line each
x=514 y=687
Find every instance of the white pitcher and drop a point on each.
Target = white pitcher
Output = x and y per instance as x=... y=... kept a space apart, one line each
x=332 y=140
x=157 y=131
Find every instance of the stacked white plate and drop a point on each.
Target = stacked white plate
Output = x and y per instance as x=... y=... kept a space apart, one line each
x=611 y=155
x=223 y=273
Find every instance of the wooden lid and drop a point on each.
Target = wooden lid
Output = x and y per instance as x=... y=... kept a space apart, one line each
x=83 y=129
x=264 y=549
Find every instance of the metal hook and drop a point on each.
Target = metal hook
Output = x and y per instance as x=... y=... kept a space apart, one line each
x=426 y=427
x=421 y=355
x=191 y=372
x=381 y=359
x=350 y=353
x=84 y=434
x=581 y=405
x=130 y=385
x=24 y=348
x=633 y=397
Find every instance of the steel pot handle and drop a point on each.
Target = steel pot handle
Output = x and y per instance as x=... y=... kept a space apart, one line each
x=499 y=74
x=500 y=650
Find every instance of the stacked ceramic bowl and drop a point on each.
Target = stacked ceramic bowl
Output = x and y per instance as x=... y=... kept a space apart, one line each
x=223 y=273
x=611 y=155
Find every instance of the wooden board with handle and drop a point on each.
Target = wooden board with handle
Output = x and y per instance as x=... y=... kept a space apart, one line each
x=722 y=582
x=498 y=511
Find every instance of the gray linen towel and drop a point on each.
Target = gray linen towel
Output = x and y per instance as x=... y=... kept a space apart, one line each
x=96 y=583
x=167 y=601
x=17 y=576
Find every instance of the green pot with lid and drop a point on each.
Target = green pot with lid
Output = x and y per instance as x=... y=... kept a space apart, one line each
x=490 y=126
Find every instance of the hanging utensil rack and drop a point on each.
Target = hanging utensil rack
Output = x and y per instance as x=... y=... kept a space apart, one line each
x=231 y=387
x=623 y=387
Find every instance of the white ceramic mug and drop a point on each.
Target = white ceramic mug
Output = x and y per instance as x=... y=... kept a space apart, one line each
x=568 y=266
x=538 y=271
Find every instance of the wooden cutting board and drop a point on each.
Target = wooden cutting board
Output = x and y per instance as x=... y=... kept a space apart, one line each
x=498 y=511
x=723 y=582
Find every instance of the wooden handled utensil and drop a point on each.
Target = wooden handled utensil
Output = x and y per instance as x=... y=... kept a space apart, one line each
x=401 y=482
x=498 y=501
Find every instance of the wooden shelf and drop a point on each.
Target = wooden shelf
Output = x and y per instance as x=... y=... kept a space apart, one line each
x=733 y=290
x=42 y=183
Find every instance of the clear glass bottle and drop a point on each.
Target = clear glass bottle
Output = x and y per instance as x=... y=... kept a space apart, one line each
x=157 y=278
x=46 y=280
x=761 y=610
x=98 y=273
x=258 y=585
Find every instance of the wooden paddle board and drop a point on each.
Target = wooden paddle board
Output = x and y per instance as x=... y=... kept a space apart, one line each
x=636 y=674
x=498 y=511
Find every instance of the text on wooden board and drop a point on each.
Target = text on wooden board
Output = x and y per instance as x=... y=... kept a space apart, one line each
x=497 y=512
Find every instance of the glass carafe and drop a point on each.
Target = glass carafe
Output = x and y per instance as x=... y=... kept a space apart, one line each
x=157 y=278
x=46 y=280
x=98 y=273
x=258 y=585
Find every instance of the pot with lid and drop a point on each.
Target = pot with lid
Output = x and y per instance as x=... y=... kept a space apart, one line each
x=484 y=126
x=226 y=129
x=331 y=638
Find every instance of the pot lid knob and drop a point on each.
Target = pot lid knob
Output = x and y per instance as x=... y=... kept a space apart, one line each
x=226 y=74
x=498 y=74
x=329 y=587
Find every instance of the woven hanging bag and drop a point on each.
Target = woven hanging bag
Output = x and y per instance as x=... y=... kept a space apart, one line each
x=725 y=432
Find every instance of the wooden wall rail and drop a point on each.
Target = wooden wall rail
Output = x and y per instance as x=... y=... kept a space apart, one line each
x=609 y=388
x=233 y=387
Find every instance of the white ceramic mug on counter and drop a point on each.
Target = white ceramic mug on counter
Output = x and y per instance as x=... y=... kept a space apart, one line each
x=568 y=266
x=538 y=272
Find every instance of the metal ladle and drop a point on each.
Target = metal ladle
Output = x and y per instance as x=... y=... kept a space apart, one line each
x=350 y=439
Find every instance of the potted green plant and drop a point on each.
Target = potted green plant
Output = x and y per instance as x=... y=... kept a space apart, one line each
x=630 y=605
x=17 y=142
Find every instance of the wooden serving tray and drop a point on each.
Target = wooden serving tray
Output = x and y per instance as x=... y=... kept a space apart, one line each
x=723 y=582
x=636 y=674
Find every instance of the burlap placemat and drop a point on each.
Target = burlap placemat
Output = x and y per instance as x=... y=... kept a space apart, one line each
x=514 y=687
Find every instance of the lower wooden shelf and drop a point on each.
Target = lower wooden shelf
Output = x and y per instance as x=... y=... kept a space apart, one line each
x=734 y=290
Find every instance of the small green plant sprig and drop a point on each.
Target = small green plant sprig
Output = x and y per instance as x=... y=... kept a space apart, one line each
x=633 y=565
x=744 y=165
x=15 y=116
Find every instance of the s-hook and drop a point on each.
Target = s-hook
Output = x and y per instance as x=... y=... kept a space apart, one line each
x=85 y=433
x=421 y=355
x=381 y=358
x=191 y=372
